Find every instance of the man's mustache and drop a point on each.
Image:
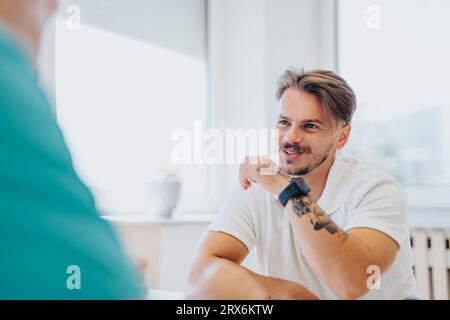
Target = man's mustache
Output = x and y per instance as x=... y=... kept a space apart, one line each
x=296 y=147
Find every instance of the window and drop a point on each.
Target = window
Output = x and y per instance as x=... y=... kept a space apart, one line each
x=395 y=55
x=129 y=77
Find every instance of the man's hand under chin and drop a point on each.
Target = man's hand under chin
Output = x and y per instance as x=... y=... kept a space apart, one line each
x=263 y=171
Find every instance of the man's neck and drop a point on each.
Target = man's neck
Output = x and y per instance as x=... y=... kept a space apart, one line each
x=317 y=179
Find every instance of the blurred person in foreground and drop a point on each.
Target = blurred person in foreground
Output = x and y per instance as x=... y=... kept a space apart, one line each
x=53 y=244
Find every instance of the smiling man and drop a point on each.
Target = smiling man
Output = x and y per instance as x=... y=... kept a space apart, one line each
x=324 y=226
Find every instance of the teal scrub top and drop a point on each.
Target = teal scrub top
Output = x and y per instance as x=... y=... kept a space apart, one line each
x=53 y=244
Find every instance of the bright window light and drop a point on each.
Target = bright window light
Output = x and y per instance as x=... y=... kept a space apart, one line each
x=394 y=54
x=118 y=101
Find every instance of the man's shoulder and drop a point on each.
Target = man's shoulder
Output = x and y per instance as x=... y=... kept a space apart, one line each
x=12 y=55
x=360 y=179
x=357 y=172
x=19 y=89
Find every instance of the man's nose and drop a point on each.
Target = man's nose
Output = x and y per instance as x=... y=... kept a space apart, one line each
x=293 y=136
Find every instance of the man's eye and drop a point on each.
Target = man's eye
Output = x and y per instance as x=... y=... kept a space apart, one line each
x=283 y=123
x=310 y=126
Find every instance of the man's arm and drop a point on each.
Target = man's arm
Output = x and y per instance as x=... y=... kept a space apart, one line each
x=339 y=259
x=217 y=274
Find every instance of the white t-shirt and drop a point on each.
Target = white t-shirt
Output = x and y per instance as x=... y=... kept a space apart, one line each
x=354 y=196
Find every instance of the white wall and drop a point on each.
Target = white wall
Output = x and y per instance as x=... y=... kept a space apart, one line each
x=178 y=25
x=173 y=24
x=151 y=55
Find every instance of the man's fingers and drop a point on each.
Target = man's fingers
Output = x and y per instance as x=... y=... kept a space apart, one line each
x=250 y=169
x=245 y=183
x=255 y=160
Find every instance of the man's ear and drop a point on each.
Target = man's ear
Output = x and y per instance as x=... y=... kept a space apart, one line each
x=344 y=135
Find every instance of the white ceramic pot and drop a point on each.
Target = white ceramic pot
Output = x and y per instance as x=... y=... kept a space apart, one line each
x=162 y=197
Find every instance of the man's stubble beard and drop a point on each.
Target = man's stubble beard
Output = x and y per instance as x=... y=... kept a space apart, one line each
x=318 y=161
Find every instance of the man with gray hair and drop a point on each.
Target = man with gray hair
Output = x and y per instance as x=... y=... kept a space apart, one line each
x=53 y=243
x=323 y=226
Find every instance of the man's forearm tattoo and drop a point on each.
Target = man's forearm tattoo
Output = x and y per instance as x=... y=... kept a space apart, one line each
x=319 y=220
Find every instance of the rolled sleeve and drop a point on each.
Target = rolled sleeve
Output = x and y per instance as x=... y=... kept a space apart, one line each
x=235 y=218
x=383 y=208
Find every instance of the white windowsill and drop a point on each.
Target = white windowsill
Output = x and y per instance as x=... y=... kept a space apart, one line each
x=417 y=218
x=177 y=219
x=429 y=218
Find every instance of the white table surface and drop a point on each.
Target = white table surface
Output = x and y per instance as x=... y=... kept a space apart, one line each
x=164 y=295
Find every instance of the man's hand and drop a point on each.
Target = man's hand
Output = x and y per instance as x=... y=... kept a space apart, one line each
x=263 y=171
